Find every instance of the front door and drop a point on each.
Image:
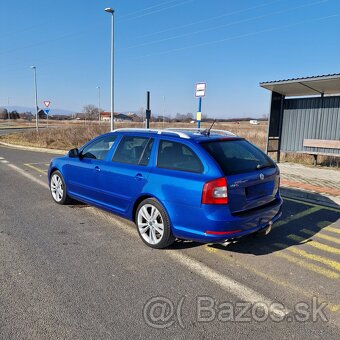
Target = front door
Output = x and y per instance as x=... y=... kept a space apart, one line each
x=83 y=173
x=122 y=179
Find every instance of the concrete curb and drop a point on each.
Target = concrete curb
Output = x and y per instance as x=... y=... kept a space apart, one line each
x=311 y=197
x=36 y=149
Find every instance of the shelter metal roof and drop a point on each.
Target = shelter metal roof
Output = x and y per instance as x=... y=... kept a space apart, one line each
x=308 y=86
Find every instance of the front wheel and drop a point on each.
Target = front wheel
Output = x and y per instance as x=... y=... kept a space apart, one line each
x=58 y=188
x=153 y=224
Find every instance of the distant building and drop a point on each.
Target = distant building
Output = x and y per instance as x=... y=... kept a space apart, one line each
x=123 y=118
x=118 y=117
x=162 y=119
x=42 y=114
x=105 y=116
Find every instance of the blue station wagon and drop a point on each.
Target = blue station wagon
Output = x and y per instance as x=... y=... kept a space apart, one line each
x=202 y=185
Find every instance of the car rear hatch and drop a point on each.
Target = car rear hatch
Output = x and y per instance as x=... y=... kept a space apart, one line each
x=252 y=177
x=252 y=190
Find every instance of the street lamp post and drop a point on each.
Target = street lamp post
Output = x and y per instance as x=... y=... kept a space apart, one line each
x=9 y=115
x=110 y=10
x=98 y=87
x=34 y=68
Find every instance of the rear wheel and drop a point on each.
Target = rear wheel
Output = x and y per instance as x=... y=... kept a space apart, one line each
x=153 y=224
x=58 y=188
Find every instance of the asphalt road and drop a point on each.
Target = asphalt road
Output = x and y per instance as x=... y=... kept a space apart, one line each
x=76 y=272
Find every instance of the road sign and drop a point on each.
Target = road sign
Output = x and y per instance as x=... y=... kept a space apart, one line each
x=200 y=89
x=47 y=103
x=47 y=111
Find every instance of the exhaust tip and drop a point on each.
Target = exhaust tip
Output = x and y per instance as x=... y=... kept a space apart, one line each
x=269 y=228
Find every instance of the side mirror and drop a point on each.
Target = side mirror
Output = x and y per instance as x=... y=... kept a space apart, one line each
x=74 y=153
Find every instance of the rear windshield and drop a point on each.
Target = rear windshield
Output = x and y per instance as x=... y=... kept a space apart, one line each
x=237 y=156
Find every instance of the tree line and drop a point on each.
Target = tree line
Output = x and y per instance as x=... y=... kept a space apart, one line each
x=5 y=114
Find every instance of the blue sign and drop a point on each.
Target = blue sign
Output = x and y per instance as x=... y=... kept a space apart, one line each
x=47 y=111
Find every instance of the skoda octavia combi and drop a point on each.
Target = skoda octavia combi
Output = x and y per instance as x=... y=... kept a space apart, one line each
x=202 y=185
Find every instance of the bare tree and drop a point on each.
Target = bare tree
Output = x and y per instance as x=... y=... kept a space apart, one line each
x=3 y=113
x=91 y=112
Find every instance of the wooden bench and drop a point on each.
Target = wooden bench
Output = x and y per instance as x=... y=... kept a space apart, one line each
x=321 y=143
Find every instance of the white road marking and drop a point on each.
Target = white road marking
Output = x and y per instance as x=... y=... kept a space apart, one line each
x=27 y=175
x=4 y=161
x=1 y=158
x=233 y=287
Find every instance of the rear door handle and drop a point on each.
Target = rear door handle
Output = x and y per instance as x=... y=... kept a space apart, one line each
x=139 y=177
x=97 y=168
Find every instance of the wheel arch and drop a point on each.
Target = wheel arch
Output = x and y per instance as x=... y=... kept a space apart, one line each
x=54 y=169
x=141 y=199
x=136 y=204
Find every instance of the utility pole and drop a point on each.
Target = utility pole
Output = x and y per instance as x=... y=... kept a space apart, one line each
x=9 y=116
x=98 y=87
x=34 y=68
x=163 y=110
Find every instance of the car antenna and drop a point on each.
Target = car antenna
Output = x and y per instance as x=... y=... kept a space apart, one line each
x=206 y=132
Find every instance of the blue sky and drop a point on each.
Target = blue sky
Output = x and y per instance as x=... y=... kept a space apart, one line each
x=164 y=46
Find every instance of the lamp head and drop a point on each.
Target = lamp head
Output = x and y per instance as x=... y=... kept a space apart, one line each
x=109 y=10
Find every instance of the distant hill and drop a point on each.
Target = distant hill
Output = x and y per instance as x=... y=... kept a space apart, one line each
x=53 y=111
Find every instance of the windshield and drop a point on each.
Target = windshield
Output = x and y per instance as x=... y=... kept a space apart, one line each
x=237 y=156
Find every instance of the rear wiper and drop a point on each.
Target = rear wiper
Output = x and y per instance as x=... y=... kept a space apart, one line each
x=263 y=166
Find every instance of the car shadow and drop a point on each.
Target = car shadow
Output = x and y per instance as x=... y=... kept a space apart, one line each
x=77 y=204
x=184 y=244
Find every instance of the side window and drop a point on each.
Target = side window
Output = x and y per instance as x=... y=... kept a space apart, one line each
x=177 y=156
x=133 y=150
x=99 y=148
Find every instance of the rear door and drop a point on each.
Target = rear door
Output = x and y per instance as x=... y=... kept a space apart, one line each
x=252 y=177
x=179 y=177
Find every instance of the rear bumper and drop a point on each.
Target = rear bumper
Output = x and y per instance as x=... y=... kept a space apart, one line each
x=223 y=226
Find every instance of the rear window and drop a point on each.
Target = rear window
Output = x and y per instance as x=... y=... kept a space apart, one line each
x=237 y=156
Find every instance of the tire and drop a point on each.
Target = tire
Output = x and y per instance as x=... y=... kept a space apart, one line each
x=153 y=224
x=58 y=188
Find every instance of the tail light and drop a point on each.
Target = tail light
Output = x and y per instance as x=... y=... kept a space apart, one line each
x=215 y=192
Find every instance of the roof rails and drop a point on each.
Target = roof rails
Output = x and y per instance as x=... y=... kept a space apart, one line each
x=201 y=130
x=159 y=132
x=180 y=132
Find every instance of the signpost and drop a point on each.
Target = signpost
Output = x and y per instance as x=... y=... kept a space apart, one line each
x=47 y=104
x=147 y=111
x=200 y=93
